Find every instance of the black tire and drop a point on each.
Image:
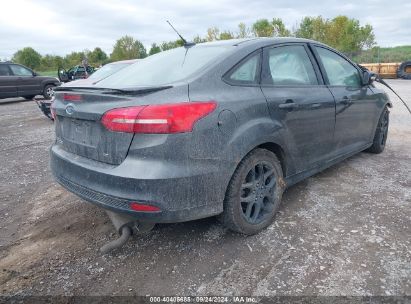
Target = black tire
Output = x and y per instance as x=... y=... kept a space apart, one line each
x=401 y=73
x=48 y=91
x=381 y=133
x=254 y=193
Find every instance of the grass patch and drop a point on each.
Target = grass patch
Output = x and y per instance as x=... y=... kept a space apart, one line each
x=389 y=54
x=52 y=73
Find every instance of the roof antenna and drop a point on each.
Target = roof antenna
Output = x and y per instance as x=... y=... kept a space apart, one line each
x=186 y=43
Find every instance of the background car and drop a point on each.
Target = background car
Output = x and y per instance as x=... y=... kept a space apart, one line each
x=17 y=80
x=74 y=73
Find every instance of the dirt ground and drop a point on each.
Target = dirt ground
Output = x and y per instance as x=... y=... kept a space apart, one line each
x=345 y=231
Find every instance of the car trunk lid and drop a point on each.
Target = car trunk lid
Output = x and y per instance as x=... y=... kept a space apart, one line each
x=78 y=120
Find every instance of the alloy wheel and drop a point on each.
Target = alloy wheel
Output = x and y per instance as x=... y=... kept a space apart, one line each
x=257 y=193
x=50 y=92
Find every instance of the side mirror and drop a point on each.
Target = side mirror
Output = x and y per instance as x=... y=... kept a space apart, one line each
x=368 y=77
x=35 y=74
x=373 y=77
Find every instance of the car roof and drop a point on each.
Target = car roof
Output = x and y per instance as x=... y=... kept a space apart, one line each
x=257 y=41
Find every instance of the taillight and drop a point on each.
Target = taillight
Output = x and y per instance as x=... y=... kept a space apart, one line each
x=143 y=207
x=158 y=119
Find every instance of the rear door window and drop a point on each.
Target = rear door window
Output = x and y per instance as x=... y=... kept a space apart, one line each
x=340 y=72
x=4 y=70
x=289 y=65
x=19 y=70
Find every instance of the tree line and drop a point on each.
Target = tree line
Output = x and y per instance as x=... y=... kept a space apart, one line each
x=343 y=33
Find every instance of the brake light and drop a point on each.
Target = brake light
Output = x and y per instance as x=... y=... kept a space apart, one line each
x=71 y=97
x=157 y=119
x=142 y=207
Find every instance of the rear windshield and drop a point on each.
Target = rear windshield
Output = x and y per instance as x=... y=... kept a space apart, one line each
x=165 y=67
x=107 y=70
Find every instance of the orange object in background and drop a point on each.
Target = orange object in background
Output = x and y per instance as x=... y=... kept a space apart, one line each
x=385 y=70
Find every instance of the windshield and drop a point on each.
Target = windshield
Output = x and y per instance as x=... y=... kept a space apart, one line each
x=165 y=67
x=108 y=70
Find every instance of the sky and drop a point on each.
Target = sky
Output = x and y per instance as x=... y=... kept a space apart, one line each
x=60 y=27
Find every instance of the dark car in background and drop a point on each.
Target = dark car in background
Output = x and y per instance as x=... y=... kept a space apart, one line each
x=215 y=129
x=17 y=80
x=74 y=73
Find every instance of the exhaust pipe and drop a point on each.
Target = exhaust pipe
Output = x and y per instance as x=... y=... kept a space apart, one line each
x=126 y=226
x=125 y=234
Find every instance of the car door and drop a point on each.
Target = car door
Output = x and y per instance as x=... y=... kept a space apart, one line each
x=297 y=97
x=8 y=87
x=355 y=105
x=80 y=73
x=27 y=83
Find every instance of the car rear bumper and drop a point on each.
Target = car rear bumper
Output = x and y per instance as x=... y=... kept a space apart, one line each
x=183 y=191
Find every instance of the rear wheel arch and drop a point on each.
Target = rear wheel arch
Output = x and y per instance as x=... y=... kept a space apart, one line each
x=262 y=133
x=53 y=83
x=270 y=138
x=273 y=147
x=278 y=151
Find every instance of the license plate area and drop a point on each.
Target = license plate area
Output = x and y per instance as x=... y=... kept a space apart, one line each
x=90 y=139
x=82 y=132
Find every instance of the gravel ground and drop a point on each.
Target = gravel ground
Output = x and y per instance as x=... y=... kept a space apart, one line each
x=345 y=231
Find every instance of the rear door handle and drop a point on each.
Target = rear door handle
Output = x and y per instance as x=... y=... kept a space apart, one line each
x=345 y=100
x=289 y=104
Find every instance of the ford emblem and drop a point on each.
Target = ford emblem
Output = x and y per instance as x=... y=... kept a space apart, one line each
x=69 y=109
